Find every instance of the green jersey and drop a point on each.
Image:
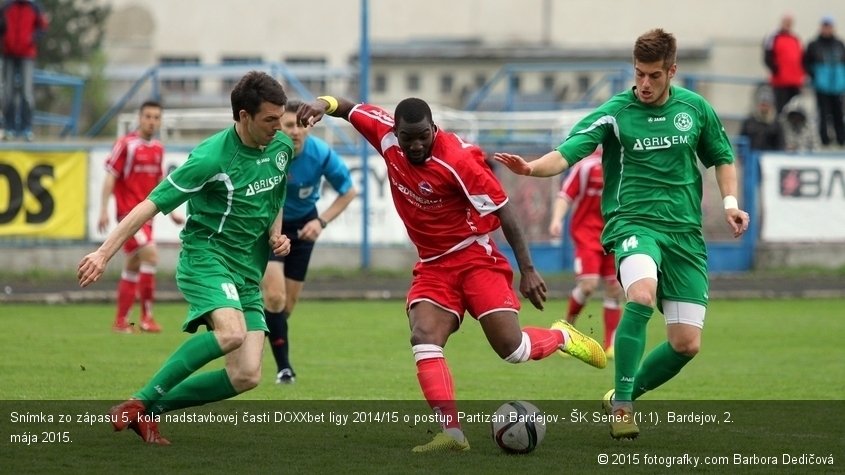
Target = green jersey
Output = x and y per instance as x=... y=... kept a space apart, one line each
x=234 y=194
x=649 y=158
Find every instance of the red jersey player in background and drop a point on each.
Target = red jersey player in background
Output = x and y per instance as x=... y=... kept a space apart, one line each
x=134 y=168
x=450 y=201
x=581 y=191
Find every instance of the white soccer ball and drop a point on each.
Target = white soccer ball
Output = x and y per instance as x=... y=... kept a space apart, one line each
x=518 y=427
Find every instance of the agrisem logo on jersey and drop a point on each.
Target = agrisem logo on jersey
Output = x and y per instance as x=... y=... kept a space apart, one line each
x=260 y=186
x=658 y=143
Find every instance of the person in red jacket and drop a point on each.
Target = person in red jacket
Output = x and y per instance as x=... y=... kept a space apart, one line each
x=782 y=53
x=22 y=22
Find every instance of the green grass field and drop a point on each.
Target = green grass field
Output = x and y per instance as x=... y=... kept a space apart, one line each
x=771 y=371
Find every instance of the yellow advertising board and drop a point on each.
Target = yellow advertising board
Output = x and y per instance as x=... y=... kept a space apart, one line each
x=43 y=194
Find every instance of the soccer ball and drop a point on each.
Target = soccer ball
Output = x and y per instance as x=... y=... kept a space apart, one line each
x=518 y=427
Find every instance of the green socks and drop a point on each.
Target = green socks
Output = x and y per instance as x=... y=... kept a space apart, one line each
x=194 y=353
x=629 y=345
x=661 y=365
x=197 y=390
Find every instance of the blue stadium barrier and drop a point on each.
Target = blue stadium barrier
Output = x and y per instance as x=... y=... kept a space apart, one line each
x=69 y=123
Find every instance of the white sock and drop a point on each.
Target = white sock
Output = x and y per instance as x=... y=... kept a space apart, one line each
x=566 y=338
x=523 y=352
x=578 y=295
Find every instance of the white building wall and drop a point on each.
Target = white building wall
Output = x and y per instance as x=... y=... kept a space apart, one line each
x=274 y=28
x=141 y=32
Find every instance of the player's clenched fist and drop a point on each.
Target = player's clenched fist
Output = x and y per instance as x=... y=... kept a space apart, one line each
x=280 y=244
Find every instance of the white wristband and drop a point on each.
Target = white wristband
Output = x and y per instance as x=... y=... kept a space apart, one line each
x=730 y=202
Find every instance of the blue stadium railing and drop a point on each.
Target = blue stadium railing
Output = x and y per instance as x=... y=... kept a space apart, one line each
x=68 y=123
x=291 y=75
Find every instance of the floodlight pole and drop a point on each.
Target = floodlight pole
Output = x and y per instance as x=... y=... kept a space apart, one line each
x=364 y=85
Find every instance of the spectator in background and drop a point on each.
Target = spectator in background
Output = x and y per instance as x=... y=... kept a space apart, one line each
x=824 y=61
x=798 y=132
x=23 y=22
x=762 y=128
x=782 y=55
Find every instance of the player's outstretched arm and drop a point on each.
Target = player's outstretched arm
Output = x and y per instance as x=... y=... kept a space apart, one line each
x=550 y=164
x=531 y=285
x=311 y=112
x=737 y=219
x=93 y=265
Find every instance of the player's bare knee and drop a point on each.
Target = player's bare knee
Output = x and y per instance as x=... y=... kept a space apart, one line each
x=274 y=301
x=230 y=339
x=642 y=297
x=244 y=380
x=148 y=255
x=588 y=287
x=613 y=290
x=506 y=346
x=686 y=346
x=421 y=335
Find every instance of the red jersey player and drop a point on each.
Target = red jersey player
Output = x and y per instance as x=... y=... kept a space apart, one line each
x=450 y=202
x=581 y=191
x=134 y=168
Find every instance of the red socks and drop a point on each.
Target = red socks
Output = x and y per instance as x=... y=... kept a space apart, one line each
x=146 y=291
x=126 y=291
x=544 y=341
x=436 y=383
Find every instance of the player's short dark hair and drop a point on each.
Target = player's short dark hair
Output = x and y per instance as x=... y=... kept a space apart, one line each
x=150 y=103
x=412 y=110
x=656 y=45
x=253 y=89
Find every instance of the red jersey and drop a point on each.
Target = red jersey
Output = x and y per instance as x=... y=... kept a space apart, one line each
x=582 y=190
x=446 y=203
x=136 y=163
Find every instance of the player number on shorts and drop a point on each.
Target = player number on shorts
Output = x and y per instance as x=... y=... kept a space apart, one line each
x=630 y=243
x=230 y=291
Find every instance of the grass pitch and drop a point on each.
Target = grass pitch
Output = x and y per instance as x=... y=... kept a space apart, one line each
x=767 y=387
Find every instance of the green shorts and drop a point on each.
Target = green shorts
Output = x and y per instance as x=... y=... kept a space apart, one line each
x=208 y=284
x=681 y=261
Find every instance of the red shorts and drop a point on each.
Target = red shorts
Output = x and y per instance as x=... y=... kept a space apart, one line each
x=469 y=280
x=591 y=263
x=143 y=237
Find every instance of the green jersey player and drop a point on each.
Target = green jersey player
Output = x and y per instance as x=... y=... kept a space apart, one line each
x=234 y=183
x=653 y=137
